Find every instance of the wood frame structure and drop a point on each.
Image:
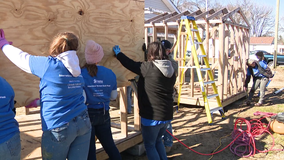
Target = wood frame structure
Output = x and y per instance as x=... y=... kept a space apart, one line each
x=229 y=62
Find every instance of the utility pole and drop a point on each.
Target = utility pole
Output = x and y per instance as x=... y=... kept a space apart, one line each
x=276 y=35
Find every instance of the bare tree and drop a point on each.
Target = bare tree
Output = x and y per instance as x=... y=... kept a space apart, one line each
x=194 y=5
x=259 y=17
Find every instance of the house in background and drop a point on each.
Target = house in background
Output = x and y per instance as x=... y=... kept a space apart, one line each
x=157 y=7
x=262 y=43
x=154 y=8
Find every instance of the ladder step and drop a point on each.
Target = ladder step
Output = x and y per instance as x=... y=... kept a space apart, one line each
x=216 y=109
x=205 y=69
x=201 y=56
x=186 y=67
x=198 y=43
x=194 y=30
x=212 y=96
x=209 y=82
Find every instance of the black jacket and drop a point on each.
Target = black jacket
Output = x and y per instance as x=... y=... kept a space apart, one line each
x=155 y=87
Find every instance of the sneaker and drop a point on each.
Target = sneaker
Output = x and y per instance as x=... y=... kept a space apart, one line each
x=33 y=104
x=248 y=103
x=168 y=149
x=258 y=104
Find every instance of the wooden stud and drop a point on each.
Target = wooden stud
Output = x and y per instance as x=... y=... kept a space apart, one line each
x=225 y=63
x=221 y=61
x=123 y=111
x=166 y=31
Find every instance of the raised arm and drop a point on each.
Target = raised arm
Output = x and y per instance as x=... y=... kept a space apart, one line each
x=127 y=62
x=15 y=55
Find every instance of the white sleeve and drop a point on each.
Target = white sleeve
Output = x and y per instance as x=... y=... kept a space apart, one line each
x=113 y=94
x=18 y=57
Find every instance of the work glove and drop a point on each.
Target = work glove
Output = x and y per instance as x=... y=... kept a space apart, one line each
x=116 y=49
x=3 y=41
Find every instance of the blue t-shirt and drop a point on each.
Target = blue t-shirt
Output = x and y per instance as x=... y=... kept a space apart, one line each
x=98 y=88
x=255 y=70
x=61 y=94
x=8 y=125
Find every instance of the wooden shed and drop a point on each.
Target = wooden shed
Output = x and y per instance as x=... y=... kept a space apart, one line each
x=31 y=25
x=217 y=29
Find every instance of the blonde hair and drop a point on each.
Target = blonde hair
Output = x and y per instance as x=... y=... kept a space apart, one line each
x=63 y=42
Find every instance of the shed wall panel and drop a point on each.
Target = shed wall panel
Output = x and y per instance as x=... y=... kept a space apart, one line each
x=31 y=25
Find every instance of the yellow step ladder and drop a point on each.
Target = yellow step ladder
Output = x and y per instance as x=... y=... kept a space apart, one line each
x=192 y=32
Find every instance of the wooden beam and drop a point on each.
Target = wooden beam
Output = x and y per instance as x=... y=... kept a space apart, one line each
x=186 y=13
x=237 y=25
x=232 y=19
x=210 y=21
x=123 y=111
x=154 y=18
x=221 y=61
x=202 y=15
x=166 y=32
x=121 y=145
x=164 y=17
x=176 y=17
x=228 y=15
x=244 y=17
x=154 y=38
x=224 y=11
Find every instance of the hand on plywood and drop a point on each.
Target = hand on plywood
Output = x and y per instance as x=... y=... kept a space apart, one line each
x=116 y=49
x=3 y=40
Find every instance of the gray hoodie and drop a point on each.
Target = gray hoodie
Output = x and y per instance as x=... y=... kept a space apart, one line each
x=165 y=66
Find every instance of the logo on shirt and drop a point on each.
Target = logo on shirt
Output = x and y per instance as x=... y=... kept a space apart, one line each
x=98 y=81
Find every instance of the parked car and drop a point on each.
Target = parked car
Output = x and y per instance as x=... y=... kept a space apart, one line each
x=269 y=57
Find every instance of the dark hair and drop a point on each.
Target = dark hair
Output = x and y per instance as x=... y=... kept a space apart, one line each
x=260 y=54
x=156 y=52
x=92 y=69
x=63 y=42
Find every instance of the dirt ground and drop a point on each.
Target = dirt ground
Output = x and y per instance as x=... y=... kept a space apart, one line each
x=191 y=128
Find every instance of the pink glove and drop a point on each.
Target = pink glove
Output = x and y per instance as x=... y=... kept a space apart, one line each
x=3 y=41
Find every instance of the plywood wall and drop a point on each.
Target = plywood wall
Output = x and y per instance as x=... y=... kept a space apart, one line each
x=31 y=25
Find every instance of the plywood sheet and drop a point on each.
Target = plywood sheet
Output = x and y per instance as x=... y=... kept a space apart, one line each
x=31 y=25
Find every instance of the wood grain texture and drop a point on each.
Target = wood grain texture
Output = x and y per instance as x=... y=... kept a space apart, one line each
x=31 y=25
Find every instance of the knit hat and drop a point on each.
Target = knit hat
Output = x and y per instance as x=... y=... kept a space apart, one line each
x=93 y=52
x=167 y=44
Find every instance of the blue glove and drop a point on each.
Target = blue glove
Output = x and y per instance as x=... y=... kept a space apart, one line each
x=116 y=49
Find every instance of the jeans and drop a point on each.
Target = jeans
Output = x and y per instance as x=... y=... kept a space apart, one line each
x=152 y=137
x=129 y=99
x=101 y=128
x=168 y=139
x=70 y=140
x=261 y=83
x=11 y=149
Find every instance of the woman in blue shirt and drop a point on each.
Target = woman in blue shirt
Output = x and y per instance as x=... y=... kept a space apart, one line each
x=10 y=142
x=65 y=121
x=100 y=87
